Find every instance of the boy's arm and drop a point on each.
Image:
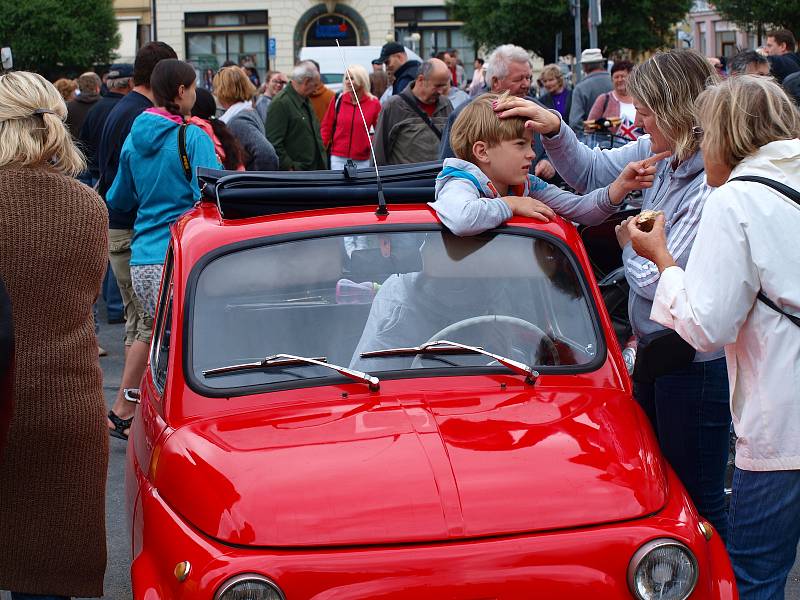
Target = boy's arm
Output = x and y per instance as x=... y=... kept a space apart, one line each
x=590 y=209
x=464 y=212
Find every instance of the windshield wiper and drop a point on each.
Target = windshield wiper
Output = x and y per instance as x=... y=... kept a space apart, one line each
x=289 y=360
x=448 y=347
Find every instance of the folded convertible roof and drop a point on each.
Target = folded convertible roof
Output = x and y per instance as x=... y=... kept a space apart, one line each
x=241 y=194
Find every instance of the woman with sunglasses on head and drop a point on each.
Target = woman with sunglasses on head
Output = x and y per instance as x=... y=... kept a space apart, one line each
x=741 y=290
x=684 y=394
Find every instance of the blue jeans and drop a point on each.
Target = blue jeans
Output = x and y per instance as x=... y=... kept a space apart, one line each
x=763 y=531
x=19 y=596
x=689 y=410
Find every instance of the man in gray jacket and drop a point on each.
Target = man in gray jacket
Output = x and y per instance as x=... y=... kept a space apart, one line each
x=411 y=123
x=596 y=81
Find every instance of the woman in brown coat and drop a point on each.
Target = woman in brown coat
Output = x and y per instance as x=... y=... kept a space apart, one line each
x=53 y=253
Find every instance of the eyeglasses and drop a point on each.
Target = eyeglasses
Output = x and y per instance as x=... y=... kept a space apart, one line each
x=280 y=81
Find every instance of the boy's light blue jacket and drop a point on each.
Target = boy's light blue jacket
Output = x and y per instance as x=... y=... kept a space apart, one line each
x=467 y=202
x=150 y=179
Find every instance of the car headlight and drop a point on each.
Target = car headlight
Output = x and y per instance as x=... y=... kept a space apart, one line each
x=662 y=569
x=248 y=586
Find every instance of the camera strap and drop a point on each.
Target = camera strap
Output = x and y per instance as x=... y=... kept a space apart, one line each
x=187 y=166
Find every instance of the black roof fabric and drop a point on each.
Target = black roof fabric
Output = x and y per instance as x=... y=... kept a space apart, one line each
x=256 y=193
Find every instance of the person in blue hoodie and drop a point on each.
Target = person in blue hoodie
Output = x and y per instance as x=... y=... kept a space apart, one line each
x=152 y=177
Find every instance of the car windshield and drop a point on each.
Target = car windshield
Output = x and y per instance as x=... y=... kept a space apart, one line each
x=338 y=297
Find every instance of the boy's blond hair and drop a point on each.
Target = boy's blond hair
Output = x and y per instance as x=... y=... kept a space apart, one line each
x=479 y=123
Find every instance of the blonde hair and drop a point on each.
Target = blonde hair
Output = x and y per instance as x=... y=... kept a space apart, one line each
x=479 y=123
x=553 y=71
x=360 y=78
x=668 y=84
x=743 y=113
x=232 y=85
x=66 y=87
x=29 y=138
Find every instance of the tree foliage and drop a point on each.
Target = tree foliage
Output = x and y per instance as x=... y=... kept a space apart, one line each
x=761 y=15
x=637 y=25
x=55 y=37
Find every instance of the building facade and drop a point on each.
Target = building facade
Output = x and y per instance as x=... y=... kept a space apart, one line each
x=711 y=35
x=133 y=19
x=268 y=34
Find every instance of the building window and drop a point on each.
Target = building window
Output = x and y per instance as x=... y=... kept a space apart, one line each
x=726 y=43
x=437 y=31
x=240 y=37
x=323 y=30
x=701 y=38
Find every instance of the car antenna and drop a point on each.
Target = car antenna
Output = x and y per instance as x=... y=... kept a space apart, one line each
x=382 y=209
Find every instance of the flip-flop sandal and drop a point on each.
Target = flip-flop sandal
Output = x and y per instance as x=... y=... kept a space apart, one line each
x=120 y=425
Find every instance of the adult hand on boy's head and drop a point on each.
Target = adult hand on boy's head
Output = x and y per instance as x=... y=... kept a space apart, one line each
x=525 y=206
x=539 y=118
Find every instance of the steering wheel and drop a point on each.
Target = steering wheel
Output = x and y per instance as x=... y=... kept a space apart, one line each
x=447 y=333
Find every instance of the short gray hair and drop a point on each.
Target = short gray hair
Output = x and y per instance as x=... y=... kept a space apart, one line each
x=119 y=83
x=303 y=71
x=498 y=61
x=426 y=68
x=738 y=64
x=89 y=83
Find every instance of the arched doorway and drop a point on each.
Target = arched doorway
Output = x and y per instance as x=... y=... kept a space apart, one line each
x=323 y=30
x=321 y=26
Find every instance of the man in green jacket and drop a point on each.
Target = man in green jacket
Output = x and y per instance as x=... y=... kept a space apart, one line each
x=292 y=127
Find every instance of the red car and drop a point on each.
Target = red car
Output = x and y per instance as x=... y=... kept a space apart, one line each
x=346 y=404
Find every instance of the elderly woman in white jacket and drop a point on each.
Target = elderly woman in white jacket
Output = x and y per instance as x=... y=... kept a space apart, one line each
x=741 y=290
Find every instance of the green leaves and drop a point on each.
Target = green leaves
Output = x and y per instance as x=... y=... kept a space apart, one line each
x=638 y=25
x=59 y=37
x=766 y=14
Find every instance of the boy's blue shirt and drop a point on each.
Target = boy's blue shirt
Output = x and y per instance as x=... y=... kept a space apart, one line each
x=468 y=203
x=151 y=180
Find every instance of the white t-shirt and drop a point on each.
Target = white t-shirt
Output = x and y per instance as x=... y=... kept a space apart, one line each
x=627 y=112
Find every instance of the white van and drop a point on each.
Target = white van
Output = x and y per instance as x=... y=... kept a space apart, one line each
x=330 y=60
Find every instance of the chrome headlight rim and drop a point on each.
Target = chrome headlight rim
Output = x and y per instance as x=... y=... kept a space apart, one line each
x=236 y=579
x=647 y=548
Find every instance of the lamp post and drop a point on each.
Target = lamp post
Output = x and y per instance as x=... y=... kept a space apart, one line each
x=575 y=6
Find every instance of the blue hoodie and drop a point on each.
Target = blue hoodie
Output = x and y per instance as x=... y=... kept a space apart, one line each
x=151 y=180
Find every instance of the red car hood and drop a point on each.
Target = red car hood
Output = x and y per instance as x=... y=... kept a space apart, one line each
x=384 y=469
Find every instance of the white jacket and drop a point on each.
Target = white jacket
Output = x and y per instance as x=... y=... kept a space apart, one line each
x=746 y=241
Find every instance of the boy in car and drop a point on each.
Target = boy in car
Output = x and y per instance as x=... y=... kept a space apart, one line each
x=489 y=182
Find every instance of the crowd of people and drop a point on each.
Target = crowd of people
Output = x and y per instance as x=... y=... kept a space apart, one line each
x=715 y=285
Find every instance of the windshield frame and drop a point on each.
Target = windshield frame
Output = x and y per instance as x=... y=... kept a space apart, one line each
x=197 y=385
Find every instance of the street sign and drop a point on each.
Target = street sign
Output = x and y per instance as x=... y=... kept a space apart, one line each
x=272 y=46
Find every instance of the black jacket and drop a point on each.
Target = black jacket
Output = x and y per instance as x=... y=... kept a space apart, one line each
x=93 y=128
x=405 y=75
x=784 y=65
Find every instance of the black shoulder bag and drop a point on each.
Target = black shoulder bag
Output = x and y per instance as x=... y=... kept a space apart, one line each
x=792 y=194
x=187 y=166
x=422 y=115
